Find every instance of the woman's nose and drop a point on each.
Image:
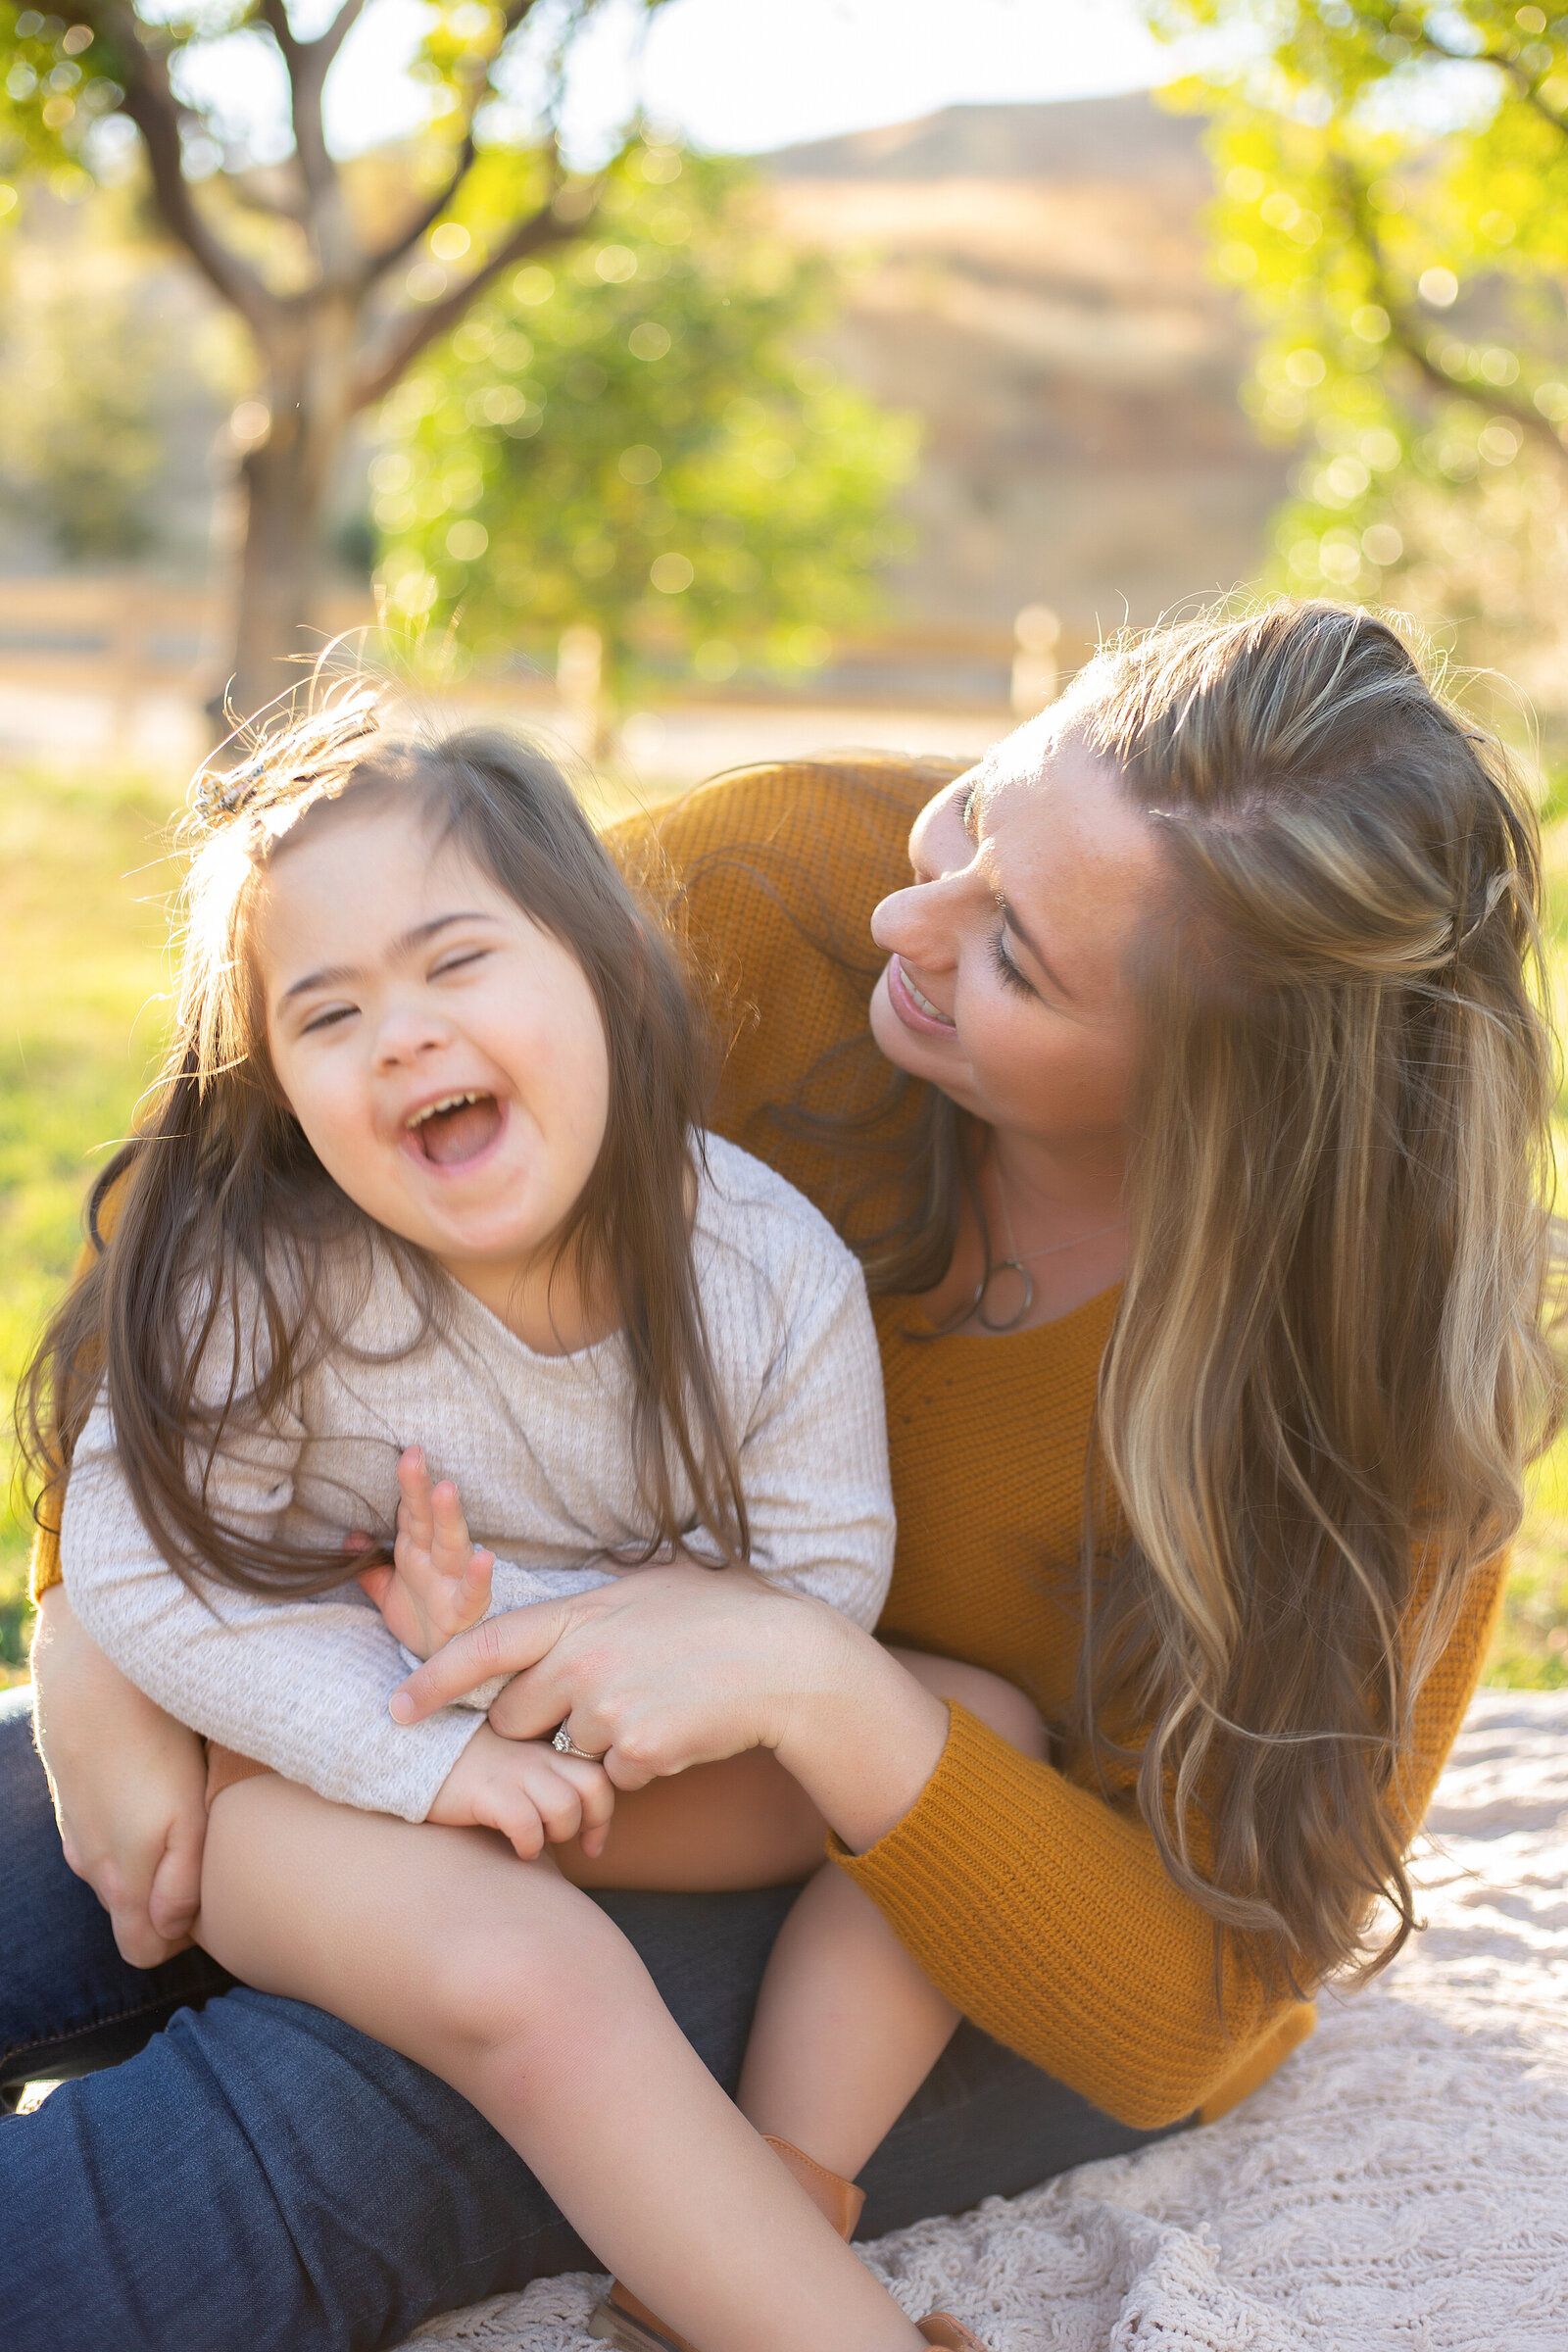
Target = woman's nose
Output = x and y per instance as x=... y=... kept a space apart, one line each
x=917 y=924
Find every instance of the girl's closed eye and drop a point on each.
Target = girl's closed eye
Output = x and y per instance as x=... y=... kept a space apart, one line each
x=329 y=1017
x=459 y=961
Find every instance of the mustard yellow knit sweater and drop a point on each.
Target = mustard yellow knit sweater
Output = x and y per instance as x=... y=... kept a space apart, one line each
x=1040 y=1907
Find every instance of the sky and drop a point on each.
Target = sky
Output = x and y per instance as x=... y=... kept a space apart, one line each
x=743 y=76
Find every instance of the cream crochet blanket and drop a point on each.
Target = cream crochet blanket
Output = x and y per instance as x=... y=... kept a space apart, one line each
x=1400 y=2185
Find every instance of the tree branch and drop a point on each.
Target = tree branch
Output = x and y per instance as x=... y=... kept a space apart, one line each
x=151 y=106
x=415 y=330
x=306 y=64
x=1528 y=85
x=387 y=255
x=515 y=13
x=1406 y=332
x=336 y=33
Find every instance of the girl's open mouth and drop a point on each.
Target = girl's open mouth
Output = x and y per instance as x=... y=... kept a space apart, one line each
x=456 y=1129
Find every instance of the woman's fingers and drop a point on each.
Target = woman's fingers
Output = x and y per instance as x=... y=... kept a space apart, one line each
x=174 y=1896
x=504 y=1644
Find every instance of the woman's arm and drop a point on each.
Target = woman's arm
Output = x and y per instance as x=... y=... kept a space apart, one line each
x=686 y=1665
x=1037 y=1908
x=128 y=1785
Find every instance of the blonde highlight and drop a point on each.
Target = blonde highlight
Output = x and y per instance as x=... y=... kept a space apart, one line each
x=1330 y=1364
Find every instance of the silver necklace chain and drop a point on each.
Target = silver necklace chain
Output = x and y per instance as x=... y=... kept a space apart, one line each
x=1012 y=1263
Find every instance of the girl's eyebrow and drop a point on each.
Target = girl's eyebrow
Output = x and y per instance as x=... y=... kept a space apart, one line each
x=335 y=975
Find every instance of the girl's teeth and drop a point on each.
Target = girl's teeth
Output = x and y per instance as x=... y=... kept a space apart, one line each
x=446 y=1102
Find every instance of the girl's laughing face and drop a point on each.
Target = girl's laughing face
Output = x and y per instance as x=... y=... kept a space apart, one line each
x=445 y=1056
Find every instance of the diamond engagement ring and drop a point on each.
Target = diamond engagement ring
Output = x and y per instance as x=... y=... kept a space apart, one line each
x=565 y=1745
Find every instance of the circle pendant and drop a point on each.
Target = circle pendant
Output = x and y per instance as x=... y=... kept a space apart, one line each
x=1009 y=1267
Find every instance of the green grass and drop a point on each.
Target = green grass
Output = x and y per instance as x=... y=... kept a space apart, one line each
x=84 y=878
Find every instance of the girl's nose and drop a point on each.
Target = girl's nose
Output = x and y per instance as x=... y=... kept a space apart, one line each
x=407 y=1034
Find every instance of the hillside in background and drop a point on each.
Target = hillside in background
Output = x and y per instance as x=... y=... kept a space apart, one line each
x=1031 y=280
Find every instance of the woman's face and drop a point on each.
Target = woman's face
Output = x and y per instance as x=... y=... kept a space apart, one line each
x=444 y=1055
x=1005 y=981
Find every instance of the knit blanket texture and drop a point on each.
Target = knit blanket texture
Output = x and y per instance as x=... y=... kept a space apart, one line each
x=1400 y=2184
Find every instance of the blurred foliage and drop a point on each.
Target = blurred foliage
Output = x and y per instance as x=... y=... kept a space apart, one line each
x=1393 y=205
x=58 y=81
x=79 y=369
x=341 y=277
x=630 y=439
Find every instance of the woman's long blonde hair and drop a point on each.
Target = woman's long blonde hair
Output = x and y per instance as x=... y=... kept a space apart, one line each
x=1329 y=1367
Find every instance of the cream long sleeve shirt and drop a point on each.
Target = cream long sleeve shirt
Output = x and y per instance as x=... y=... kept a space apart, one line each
x=540 y=1450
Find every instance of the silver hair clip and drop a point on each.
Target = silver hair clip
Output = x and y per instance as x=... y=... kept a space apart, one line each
x=291 y=754
x=224 y=791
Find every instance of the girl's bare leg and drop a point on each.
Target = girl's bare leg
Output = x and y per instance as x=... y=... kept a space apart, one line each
x=719 y=1826
x=504 y=1980
x=846 y=2025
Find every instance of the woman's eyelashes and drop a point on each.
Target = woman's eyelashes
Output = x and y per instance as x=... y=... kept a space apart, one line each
x=1007 y=971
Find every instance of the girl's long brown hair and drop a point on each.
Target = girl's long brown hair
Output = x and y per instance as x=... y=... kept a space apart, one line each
x=224 y=1217
x=1329 y=1367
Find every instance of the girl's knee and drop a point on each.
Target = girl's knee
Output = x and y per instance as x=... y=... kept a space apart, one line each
x=998 y=1703
x=533 y=1978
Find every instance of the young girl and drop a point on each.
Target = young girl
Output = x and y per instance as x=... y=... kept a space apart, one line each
x=426 y=1165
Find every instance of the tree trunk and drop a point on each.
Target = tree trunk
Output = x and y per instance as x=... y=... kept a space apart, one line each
x=287 y=478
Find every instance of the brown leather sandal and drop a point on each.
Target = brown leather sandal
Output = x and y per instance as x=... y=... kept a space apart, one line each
x=626 y=2322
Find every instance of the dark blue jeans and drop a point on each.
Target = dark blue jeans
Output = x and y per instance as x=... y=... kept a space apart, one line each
x=223 y=2172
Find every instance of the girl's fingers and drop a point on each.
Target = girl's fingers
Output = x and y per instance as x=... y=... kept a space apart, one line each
x=376 y=1580
x=559 y=1806
x=518 y=1820
x=597 y=1792
x=415 y=1515
x=473 y=1590
x=450 y=1544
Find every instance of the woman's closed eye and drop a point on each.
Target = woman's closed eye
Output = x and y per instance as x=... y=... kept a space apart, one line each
x=1007 y=971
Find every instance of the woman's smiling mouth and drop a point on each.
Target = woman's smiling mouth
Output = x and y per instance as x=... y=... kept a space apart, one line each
x=913 y=1009
x=456 y=1129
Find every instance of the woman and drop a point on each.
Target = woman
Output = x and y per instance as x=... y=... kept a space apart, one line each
x=1225 y=1150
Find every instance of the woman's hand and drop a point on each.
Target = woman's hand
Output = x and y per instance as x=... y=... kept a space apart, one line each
x=684 y=1665
x=130 y=1786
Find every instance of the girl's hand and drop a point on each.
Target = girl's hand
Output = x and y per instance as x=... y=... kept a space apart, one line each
x=439 y=1584
x=528 y=1793
x=130 y=1786
x=686 y=1665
